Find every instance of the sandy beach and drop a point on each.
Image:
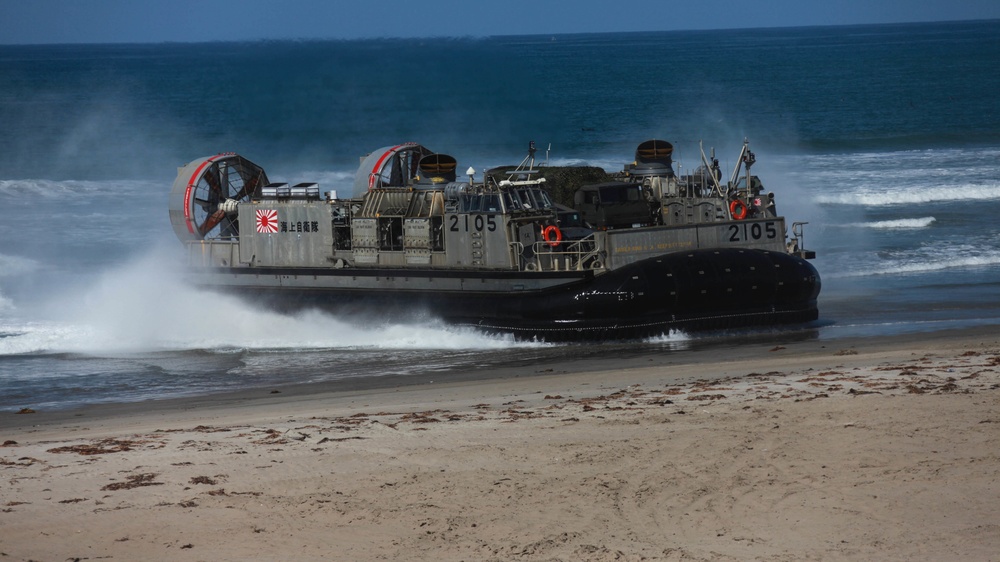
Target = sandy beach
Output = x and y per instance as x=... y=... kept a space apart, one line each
x=878 y=449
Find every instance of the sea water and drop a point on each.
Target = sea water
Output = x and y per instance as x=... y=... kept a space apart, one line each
x=885 y=139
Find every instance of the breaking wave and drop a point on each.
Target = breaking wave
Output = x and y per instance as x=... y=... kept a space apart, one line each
x=55 y=189
x=922 y=222
x=903 y=267
x=913 y=197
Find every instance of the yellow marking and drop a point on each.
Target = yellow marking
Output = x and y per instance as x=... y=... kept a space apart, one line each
x=658 y=247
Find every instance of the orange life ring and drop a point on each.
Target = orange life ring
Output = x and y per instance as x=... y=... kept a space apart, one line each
x=738 y=209
x=552 y=235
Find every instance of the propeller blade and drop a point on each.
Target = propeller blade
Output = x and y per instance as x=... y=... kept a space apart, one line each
x=213 y=179
x=211 y=222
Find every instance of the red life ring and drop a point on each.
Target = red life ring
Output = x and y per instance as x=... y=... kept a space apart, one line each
x=552 y=235
x=738 y=209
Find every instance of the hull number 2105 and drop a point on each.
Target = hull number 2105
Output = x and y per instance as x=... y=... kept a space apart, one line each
x=477 y=222
x=744 y=232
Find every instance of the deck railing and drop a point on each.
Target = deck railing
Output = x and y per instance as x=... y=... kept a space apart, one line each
x=570 y=255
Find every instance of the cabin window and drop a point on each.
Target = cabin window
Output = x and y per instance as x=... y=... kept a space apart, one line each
x=542 y=199
x=491 y=203
x=473 y=203
x=569 y=219
x=610 y=195
x=534 y=199
x=525 y=197
x=513 y=203
x=480 y=203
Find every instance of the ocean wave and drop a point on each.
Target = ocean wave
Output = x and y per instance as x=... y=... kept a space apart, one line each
x=912 y=196
x=27 y=189
x=916 y=162
x=922 y=222
x=337 y=180
x=901 y=267
x=36 y=337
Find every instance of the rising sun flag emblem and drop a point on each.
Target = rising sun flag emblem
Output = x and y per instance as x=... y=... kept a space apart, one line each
x=267 y=220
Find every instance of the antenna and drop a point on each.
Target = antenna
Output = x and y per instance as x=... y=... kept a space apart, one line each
x=710 y=168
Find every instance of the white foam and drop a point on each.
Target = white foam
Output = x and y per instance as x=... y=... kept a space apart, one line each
x=145 y=306
x=922 y=222
x=35 y=337
x=675 y=339
x=910 y=266
x=878 y=198
x=896 y=177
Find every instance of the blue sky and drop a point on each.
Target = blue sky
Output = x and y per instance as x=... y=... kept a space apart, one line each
x=129 y=21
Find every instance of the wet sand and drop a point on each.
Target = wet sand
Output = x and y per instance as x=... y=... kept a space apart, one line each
x=882 y=448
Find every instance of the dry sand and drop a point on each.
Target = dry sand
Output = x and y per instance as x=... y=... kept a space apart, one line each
x=806 y=451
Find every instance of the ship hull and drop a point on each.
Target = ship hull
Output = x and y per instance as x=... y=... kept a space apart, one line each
x=691 y=290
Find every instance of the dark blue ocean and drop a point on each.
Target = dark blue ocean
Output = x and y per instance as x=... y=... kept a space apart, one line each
x=885 y=139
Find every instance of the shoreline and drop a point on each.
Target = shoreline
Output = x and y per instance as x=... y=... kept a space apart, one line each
x=747 y=348
x=868 y=448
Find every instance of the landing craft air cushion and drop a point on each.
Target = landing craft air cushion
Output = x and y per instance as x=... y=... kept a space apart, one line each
x=654 y=251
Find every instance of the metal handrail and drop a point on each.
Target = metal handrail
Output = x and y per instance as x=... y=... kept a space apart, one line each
x=565 y=256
